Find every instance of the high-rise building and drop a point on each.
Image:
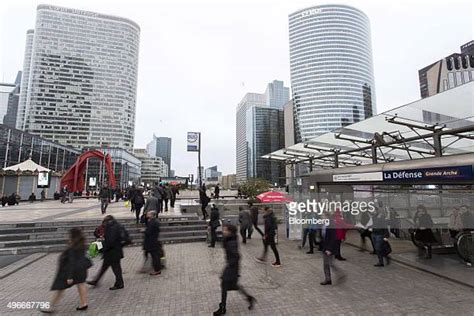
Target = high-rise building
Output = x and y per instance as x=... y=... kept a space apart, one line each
x=81 y=78
x=6 y=90
x=255 y=113
x=160 y=147
x=265 y=134
x=211 y=174
x=249 y=100
x=25 y=79
x=449 y=72
x=9 y=117
x=152 y=168
x=277 y=94
x=331 y=68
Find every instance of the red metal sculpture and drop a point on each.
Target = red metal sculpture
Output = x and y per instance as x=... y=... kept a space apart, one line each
x=74 y=177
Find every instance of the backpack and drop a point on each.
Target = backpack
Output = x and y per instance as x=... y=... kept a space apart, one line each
x=125 y=239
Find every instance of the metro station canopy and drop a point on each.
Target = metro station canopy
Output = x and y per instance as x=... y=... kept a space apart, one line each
x=436 y=126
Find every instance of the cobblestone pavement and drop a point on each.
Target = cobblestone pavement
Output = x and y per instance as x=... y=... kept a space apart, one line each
x=190 y=286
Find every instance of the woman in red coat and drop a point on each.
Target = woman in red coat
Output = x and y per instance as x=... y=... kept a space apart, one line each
x=341 y=229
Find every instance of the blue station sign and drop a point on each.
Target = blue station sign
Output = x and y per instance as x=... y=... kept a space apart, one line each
x=426 y=174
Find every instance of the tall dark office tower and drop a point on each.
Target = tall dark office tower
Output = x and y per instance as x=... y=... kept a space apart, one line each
x=160 y=147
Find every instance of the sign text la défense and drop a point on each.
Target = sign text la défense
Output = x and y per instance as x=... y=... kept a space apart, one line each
x=461 y=172
x=310 y=12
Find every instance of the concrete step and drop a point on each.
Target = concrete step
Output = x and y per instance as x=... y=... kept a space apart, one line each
x=24 y=230
x=61 y=247
x=29 y=234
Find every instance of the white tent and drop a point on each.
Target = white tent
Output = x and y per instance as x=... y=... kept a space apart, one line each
x=27 y=165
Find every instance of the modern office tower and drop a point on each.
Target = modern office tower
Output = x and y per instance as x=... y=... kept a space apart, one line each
x=265 y=134
x=82 y=78
x=20 y=120
x=211 y=174
x=447 y=73
x=331 y=68
x=277 y=94
x=6 y=90
x=9 y=117
x=152 y=168
x=255 y=113
x=160 y=147
x=249 y=100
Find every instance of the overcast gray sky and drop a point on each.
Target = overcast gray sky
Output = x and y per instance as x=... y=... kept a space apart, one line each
x=199 y=58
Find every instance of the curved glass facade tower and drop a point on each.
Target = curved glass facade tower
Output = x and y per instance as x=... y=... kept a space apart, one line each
x=331 y=68
x=81 y=74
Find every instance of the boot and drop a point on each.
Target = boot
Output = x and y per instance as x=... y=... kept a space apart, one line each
x=220 y=311
x=251 y=301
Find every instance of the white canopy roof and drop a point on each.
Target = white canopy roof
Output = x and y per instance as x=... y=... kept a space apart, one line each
x=403 y=133
x=27 y=165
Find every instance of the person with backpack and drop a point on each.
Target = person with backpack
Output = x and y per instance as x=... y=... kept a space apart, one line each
x=115 y=237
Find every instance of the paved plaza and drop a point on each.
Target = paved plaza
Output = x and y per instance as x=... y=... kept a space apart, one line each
x=190 y=286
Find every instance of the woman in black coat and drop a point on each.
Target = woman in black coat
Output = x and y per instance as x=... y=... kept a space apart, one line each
x=230 y=275
x=73 y=265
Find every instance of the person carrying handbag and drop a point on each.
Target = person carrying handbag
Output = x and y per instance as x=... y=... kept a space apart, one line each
x=213 y=224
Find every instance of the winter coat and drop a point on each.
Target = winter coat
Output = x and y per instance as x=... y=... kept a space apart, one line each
x=244 y=219
x=270 y=226
x=152 y=232
x=152 y=204
x=230 y=275
x=112 y=251
x=329 y=239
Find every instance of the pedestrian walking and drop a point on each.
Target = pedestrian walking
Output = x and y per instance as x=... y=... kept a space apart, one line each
x=64 y=194
x=245 y=223
x=329 y=247
x=115 y=237
x=380 y=235
x=269 y=238
x=32 y=197
x=167 y=196
x=365 y=230
x=341 y=228
x=104 y=197
x=217 y=190
x=43 y=195
x=204 y=200
x=312 y=229
x=230 y=275
x=159 y=193
x=213 y=224
x=72 y=270
x=254 y=218
x=151 y=244
x=174 y=192
x=138 y=202
x=151 y=204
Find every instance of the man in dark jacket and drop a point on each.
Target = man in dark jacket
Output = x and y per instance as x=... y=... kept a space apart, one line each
x=380 y=236
x=245 y=223
x=151 y=245
x=159 y=193
x=329 y=247
x=217 y=190
x=112 y=253
x=269 y=237
x=152 y=204
x=213 y=224
x=204 y=199
x=230 y=275
x=104 y=197
x=254 y=218
x=167 y=196
x=174 y=192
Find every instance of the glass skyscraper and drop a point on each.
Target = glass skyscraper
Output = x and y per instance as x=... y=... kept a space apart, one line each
x=331 y=68
x=80 y=78
x=259 y=131
x=161 y=147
